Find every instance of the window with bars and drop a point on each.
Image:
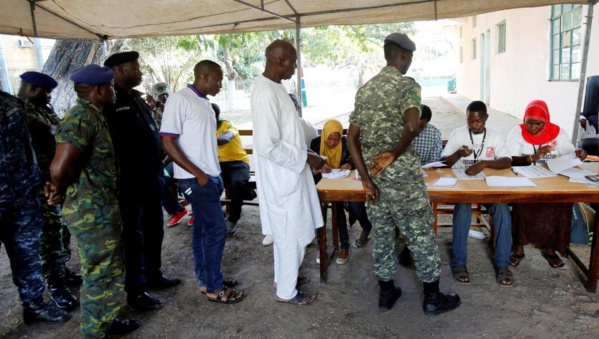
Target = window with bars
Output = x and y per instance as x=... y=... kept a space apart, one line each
x=566 y=23
x=501 y=37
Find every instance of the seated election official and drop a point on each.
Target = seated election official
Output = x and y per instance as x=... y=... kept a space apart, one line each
x=333 y=144
x=476 y=147
x=428 y=143
x=532 y=143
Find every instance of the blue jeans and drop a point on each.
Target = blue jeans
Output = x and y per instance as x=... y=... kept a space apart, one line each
x=209 y=230
x=357 y=210
x=502 y=227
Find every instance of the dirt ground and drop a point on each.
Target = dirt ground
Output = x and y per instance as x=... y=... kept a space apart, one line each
x=543 y=303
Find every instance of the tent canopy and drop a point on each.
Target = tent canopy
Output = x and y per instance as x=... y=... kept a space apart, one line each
x=109 y=19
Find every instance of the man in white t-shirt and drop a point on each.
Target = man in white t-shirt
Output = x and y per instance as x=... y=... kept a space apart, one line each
x=289 y=206
x=476 y=147
x=188 y=135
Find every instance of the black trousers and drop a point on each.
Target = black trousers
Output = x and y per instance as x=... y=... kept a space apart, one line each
x=143 y=232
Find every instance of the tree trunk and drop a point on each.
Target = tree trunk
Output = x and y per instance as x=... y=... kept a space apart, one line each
x=231 y=77
x=66 y=56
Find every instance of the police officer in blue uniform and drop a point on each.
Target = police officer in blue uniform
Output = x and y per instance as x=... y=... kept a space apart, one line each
x=20 y=212
x=139 y=154
x=35 y=91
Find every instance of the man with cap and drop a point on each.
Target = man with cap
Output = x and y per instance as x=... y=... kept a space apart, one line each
x=139 y=154
x=35 y=91
x=159 y=93
x=383 y=124
x=84 y=170
x=20 y=212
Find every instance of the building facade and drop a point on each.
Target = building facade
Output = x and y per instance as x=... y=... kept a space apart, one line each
x=509 y=58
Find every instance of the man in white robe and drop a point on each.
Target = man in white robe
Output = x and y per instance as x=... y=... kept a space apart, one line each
x=289 y=205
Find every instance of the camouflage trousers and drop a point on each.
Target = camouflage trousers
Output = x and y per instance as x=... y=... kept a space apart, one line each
x=406 y=208
x=55 y=243
x=102 y=294
x=20 y=224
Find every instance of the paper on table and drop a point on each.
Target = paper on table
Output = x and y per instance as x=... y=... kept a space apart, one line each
x=446 y=182
x=461 y=174
x=499 y=181
x=578 y=175
x=564 y=162
x=533 y=172
x=336 y=174
x=434 y=164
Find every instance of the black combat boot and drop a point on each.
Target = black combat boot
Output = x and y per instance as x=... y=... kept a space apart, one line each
x=436 y=302
x=63 y=297
x=37 y=311
x=389 y=294
x=121 y=327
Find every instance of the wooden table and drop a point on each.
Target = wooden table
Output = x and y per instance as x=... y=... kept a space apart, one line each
x=555 y=189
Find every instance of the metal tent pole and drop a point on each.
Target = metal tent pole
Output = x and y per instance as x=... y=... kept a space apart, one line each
x=298 y=45
x=583 y=68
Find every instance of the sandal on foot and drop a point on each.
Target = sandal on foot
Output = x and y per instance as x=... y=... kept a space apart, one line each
x=553 y=260
x=505 y=278
x=516 y=259
x=303 y=280
x=301 y=298
x=228 y=296
x=226 y=282
x=300 y=281
x=343 y=257
x=460 y=274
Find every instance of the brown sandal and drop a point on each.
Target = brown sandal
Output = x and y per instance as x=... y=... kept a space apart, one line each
x=228 y=296
x=553 y=260
x=301 y=298
x=516 y=259
x=460 y=274
x=505 y=277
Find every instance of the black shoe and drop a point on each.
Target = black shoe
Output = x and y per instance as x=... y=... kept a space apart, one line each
x=63 y=297
x=73 y=279
x=436 y=302
x=144 y=302
x=163 y=282
x=121 y=327
x=389 y=295
x=37 y=311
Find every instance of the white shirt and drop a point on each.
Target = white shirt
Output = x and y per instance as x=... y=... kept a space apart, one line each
x=485 y=147
x=518 y=147
x=191 y=118
x=286 y=189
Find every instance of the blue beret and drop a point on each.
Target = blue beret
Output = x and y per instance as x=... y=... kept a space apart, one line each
x=121 y=58
x=38 y=79
x=401 y=40
x=92 y=74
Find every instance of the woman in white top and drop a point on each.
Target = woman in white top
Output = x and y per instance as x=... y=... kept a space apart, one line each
x=532 y=143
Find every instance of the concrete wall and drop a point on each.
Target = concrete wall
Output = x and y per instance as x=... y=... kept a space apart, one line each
x=16 y=59
x=521 y=73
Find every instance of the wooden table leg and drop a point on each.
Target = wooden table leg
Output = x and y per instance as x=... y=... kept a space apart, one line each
x=322 y=244
x=593 y=263
x=334 y=226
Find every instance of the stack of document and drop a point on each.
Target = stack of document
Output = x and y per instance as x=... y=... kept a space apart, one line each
x=336 y=174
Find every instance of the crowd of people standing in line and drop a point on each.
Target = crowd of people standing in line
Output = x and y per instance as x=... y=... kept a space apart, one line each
x=98 y=174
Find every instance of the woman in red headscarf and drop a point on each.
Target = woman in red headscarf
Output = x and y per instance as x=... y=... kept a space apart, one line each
x=532 y=143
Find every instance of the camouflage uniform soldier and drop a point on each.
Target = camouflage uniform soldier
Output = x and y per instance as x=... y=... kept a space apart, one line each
x=20 y=212
x=55 y=237
x=384 y=123
x=84 y=166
